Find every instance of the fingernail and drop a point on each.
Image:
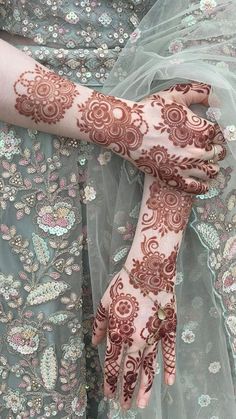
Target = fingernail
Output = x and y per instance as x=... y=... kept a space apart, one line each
x=142 y=404
x=171 y=380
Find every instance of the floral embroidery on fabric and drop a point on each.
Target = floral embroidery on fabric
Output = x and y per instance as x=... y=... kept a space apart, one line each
x=215 y=223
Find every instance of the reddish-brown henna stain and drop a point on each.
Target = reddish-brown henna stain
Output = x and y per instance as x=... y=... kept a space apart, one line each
x=188 y=87
x=165 y=211
x=110 y=121
x=43 y=95
x=170 y=209
x=155 y=272
x=122 y=312
x=131 y=371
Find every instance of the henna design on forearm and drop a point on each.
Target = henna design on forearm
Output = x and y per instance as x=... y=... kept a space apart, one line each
x=155 y=272
x=168 y=210
x=111 y=122
x=43 y=95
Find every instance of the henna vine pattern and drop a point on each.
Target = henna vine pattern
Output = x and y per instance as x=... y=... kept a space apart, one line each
x=170 y=209
x=188 y=87
x=110 y=121
x=132 y=366
x=155 y=272
x=43 y=95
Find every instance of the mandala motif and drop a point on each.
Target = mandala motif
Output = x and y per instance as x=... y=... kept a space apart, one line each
x=183 y=129
x=43 y=95
x=123 y=310
x=170 y=209
x=110 y=121
x=155 y=272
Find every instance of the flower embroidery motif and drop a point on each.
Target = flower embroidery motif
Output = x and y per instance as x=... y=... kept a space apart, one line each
x=14 y=401
x=176 y=46
x=9 y=287
x=204 y=400
x=89 y=193
x=9 y=144
x=56 y=219
x=23 y=339
x=104 y=158
x=73 y=350
x=208 y=6
x=214 y=367
x=189 y=20
x=230 y=133
x=188 y=336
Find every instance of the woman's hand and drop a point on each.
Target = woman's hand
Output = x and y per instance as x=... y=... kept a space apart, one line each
x=160 y=135
x=138 y=310
x=134 y=326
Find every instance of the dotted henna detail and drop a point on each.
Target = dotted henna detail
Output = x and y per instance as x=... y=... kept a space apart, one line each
x=170 y=209
x=183 y=130
x=43 y=95
x=155 y=272
x=110 y=121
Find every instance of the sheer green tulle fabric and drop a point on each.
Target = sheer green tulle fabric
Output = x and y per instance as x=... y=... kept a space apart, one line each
x=178 y=41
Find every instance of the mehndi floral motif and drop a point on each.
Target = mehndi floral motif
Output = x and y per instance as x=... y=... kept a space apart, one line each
x=43 y=95
x=169 y=208
x=182 y=127
x=155 y=272
x=123 y=310
x=110 y=121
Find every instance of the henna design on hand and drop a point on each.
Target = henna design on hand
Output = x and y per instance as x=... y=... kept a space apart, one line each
x=185 y=88
x=140 y=301
x=43 y=95
x=182 y=130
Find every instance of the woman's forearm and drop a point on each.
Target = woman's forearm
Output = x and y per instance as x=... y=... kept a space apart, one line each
x=36 y=98
x=163 y=217
x=145 y=133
